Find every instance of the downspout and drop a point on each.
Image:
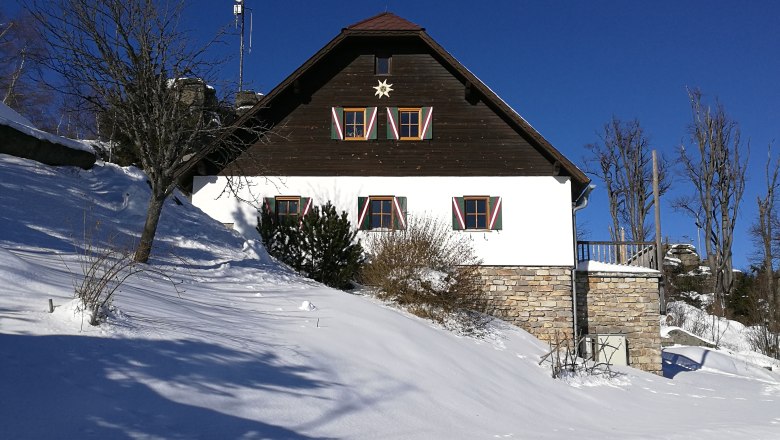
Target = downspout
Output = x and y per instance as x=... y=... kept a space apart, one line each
x=581 y=203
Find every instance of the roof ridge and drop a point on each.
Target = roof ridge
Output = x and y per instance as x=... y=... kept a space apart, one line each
x=385 y=21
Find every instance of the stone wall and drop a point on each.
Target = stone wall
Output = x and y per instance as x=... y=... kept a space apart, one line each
x=536 y=299
x=627 y=303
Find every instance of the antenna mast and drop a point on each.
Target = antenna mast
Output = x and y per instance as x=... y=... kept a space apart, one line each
x=238 y=9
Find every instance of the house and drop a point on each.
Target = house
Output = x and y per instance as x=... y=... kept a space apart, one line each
x=386 y=124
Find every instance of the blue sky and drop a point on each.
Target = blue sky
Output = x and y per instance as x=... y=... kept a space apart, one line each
x=567 y=67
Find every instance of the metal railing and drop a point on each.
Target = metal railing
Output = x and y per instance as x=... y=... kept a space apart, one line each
x=624 y=253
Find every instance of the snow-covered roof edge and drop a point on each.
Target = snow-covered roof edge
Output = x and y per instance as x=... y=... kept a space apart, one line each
x=10 y=118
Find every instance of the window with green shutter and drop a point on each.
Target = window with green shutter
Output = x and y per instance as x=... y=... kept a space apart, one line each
x=476 y=213
x=409 y=124
x=287 y=208
x=381 y=213
x=353 y=124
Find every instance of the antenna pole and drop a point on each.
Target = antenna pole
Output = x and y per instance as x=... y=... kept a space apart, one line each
x=241 y=57
x=238 y=9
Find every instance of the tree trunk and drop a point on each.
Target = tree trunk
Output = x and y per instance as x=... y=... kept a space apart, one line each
x=153 y=212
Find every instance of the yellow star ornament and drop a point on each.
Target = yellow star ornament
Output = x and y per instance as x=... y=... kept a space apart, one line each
x=383 y=89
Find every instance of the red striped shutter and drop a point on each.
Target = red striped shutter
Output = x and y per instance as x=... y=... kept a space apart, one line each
x=304 y=206
x=371 y=122
x=399 y=207
x=364 y=217
x=495 y=214
x=392 y=123
x=336 y=121
x=458 y=218
x=426 y=123
x=269 y=204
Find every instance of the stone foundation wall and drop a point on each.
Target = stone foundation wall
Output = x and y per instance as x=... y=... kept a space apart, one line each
x=536 y=299
x=627 y=303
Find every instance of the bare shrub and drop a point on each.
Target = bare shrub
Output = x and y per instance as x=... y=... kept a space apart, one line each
x=104 y=267
x=564 y=362
x=104 y=270
x=430 y=270
x=763 y=340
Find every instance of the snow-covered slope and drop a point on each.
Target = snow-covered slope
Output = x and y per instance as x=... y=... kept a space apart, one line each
x=234 y=353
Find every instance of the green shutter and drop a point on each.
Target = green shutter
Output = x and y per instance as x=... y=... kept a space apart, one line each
x=458 y=219
x=364 y=217
x=269 y=204
x=495 y=213
x=336 y=122
x=303 y=206
x=392 y=123
x=399 y=219
x=371 y=122
x=426 y=124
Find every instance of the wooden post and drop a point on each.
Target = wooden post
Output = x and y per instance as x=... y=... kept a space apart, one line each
x=659 y=259
x=51 y=306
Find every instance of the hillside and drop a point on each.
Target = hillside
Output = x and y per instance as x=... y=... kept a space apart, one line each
x=230 y=353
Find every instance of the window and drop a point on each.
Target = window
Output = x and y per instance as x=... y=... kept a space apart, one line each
x=382 y=65
x=353 y=123
x=409 y=123
x=476 y=213
x=287 y=208
x=381 y=213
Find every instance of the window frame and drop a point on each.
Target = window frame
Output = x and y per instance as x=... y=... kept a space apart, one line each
x=477 y=214
x=357 y=110
x=401 y=111
x=371 y=214
x=389 y=59
x=288 y=215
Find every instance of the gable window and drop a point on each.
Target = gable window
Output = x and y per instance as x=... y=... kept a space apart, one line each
x=476 y=213
x=382 y=65
x=353 y=123
x=382 y=213
x=287 y=208
x=410 y=124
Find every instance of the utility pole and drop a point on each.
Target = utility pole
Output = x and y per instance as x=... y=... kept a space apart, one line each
x=658 y=249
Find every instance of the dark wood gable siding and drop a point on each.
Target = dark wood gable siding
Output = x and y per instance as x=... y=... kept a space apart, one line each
x=469 y=138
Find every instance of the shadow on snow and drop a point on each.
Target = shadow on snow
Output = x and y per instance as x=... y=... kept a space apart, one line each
x=87 y=387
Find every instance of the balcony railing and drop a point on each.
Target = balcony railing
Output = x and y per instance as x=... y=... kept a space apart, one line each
x=624 y=253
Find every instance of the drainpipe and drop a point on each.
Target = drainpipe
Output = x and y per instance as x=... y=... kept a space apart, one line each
x=581 y=203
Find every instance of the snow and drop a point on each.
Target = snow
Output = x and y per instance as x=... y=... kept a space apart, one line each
x=597 y=266
x=11 y=118
x=225 y=351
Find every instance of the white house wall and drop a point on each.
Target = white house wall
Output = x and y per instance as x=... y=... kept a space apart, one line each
x=537 y=211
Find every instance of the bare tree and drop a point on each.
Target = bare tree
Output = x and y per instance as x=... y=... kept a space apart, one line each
x=21 y=51
x=714 y=167
x=766 y=305
x=129 y=59
x=623 y=161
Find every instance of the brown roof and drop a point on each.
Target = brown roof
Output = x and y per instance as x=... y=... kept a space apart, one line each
x=386 y=21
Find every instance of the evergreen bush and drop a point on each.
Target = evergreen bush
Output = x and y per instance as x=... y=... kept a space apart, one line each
x=321 y=246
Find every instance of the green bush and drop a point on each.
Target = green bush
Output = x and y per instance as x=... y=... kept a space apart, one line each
x=321 y=246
